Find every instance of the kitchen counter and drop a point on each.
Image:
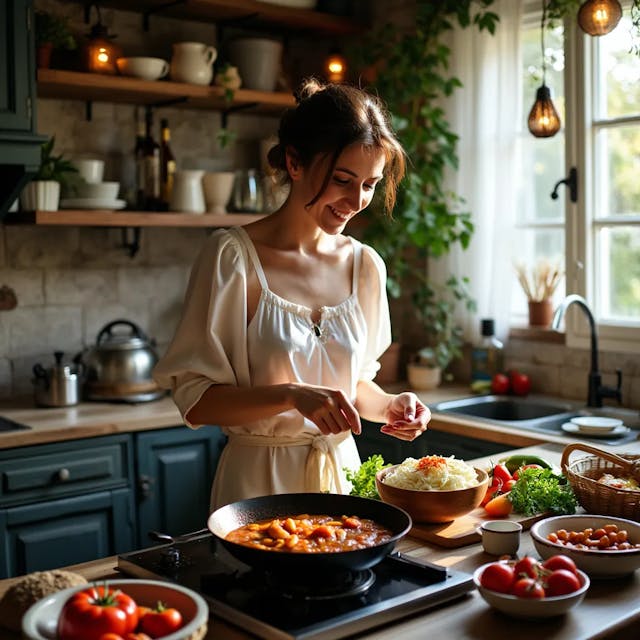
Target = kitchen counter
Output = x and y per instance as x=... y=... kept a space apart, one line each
x=611 y=608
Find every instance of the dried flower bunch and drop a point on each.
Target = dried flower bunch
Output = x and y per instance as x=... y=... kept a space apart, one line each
x=541 y=281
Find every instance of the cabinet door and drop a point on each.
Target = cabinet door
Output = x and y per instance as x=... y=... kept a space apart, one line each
x=175 y=469
x=58 y=533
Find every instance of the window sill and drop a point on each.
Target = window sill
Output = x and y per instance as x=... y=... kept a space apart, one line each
x=537 y=334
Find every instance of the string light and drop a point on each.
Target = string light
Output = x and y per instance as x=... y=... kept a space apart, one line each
x=335 y=67
x=598 y=17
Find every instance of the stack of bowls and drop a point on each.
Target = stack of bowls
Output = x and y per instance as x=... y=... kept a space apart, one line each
x=91 y=191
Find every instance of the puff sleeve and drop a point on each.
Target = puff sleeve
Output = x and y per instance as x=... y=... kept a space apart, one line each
x=210 y=342
x=375 y=305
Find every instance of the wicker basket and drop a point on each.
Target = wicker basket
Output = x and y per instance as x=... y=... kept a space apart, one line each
x=598 y=498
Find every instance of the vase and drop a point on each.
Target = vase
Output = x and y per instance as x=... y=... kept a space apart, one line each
x=540 y=313
x=40 y=195
x=218 y=186
x=422 y=378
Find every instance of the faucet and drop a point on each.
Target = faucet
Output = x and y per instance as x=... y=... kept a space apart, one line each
x=597 y=391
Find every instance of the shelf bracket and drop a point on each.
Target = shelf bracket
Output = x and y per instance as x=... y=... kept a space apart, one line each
x=88 y=110
x=149 y=12
x=131 y=245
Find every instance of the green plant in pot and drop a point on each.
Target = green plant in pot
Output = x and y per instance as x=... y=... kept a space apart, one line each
x=410 y=72
x=43 y=192
x=51 y=32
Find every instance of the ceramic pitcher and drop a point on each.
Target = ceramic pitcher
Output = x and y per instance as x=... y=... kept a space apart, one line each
x=192 y=62
x=187 y=194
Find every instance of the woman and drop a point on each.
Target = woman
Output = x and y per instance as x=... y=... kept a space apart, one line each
x=285 y=318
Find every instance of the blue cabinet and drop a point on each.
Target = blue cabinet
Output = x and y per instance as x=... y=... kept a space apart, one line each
x=175 y=469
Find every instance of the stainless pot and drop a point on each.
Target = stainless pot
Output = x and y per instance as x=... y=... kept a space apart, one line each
x=57 y=386
x=119 y=367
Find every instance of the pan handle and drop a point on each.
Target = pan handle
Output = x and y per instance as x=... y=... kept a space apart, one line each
x=438 y=573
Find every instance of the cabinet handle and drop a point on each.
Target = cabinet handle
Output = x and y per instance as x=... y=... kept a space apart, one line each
x=145 y=483
x=64 y=474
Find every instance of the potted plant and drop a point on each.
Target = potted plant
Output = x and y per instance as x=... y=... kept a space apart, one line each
x=43 y=192
x=408 y=69
x=51 y=32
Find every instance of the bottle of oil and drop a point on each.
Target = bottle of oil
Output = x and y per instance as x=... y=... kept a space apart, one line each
x=487 y=357
x=167 y=165
x=138 y=153
x=151 y=166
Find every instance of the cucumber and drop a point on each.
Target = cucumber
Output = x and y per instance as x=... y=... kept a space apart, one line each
x=514 y=462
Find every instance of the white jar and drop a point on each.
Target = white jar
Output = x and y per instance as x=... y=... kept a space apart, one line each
x=192 y=62
x=187 y=195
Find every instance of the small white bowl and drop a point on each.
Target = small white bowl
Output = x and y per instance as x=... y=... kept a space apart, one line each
x=596 y=423
x=143 y=67
x=99 y=190
x=529 y=607
x=41 y=620
x=598 y=564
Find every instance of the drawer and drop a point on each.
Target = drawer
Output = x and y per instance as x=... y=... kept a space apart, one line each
x=62 y=469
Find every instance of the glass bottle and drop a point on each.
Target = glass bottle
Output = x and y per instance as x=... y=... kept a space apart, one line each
x=151 y=166
x=167 y=164
x=487 y=357
x=138 y=153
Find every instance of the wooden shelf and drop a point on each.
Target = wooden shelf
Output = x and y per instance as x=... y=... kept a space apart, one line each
x=104 y=218
x=89 y=87
x=244 y=13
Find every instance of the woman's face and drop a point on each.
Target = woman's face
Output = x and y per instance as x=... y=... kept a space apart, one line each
x=350 y=188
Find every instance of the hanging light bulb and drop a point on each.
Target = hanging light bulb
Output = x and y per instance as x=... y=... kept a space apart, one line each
x=597 y=17
x=335 y=67
x=544 y=121
x=100 y=53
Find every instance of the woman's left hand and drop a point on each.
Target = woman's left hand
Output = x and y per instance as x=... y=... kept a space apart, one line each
x=407 y=417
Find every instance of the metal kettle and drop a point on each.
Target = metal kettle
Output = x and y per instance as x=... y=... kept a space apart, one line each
x=119 y=367
x=57 y=386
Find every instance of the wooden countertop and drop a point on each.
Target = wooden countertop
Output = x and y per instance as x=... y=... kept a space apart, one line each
x=611 y=608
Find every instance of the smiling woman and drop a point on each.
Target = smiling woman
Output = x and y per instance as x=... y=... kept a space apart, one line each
x=294 y=313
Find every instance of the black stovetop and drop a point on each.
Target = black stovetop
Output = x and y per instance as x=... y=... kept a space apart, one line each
x=254 y=602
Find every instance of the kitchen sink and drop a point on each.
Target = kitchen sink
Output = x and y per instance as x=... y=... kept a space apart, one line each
x=532 y=413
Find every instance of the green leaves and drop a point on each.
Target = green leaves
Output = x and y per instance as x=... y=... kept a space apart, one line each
x=542 y=491
x=364 y=479
x=53 y=167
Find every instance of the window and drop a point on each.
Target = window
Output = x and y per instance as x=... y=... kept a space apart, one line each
x=595 y=84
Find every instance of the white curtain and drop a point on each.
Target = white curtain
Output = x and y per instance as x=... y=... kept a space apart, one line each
x=485 y=113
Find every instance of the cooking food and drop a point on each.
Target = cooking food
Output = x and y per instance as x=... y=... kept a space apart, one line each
x=605 y=538
x=311 y=534
x=432 y=473
x=610 y=480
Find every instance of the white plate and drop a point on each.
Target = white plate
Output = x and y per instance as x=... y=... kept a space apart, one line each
x=596 y=423
x=92 y=203
x=620 y=430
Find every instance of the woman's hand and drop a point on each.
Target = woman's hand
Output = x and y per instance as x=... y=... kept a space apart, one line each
x=329 y=409
x=407 y=417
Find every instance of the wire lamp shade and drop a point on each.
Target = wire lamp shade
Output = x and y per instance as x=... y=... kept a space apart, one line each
x=544 y=121
x=598 y=17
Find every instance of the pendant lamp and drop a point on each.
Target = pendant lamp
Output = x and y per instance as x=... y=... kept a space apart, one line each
x=597 y=17
x=335 y=67
x=544 y=121
x=100 y=53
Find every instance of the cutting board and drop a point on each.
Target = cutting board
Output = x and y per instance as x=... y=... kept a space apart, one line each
x=462 y=531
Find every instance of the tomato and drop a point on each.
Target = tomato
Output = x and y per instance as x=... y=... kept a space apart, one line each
x=526 y=567
x=560 y=562
x=516 y=473
x=93 y=612
x=509 y=485
x=111 y=636
x=527 y=588
x=161 y=621
x=499 y=507
x=520 y=383
x=137 y=636
x=561 y=582
x=497 y=576
x=501 y=472
x=500 y=384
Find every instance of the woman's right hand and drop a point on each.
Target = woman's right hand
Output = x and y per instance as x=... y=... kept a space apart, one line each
x=329 y=409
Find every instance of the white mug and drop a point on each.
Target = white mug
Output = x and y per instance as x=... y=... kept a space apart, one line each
x=500 y=537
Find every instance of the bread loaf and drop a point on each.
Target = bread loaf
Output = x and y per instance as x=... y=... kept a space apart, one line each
x=28 y=590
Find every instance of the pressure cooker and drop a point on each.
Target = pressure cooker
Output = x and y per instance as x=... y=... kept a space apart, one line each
x=119 y=367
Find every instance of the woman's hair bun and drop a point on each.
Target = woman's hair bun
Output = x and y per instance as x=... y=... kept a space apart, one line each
x=307 y=88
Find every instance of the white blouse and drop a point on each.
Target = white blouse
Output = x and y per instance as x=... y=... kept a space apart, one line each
x=214 y=344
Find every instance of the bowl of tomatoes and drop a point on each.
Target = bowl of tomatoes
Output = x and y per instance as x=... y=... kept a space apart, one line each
x=531 y=588
x=602 y=546
x=118 y=610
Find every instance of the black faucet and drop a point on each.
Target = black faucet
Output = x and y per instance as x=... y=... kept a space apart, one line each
x=597 y=391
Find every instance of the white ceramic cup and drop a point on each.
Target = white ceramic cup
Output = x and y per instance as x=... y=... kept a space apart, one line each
x=500 y=537
x=142 y=67
x=91 y=170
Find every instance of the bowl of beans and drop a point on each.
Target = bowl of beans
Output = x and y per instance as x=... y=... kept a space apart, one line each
x=602 y=546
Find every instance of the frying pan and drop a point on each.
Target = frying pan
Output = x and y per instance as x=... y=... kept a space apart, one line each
x=237 y=514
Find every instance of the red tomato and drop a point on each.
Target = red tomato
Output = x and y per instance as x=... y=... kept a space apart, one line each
x=561 y=582
x=509 y=485
x=528 y=588
x=516 y=473
x=111 y=636
x=498 y=576
x=93 y=612
x=161 y=621
x=499 y=507
x=500 y=472
x=492 y=491
x=500 y=384
x=526 y=567
x=560 y=562
x=520 y=383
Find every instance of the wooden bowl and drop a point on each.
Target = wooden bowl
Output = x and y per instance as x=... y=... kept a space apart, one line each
x=433 y=506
